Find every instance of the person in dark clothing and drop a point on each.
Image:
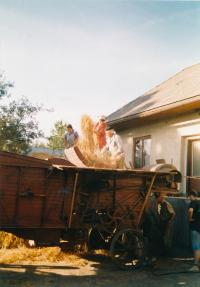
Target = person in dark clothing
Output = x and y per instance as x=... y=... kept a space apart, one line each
x=157 y=225
x=166 y=217
x=194 y=220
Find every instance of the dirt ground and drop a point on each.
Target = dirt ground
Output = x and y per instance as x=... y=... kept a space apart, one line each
x=97 y=270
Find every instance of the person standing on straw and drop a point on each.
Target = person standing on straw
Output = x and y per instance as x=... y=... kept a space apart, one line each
x=70 y=137
x=114 y=147
x=100 y=131
x=114 y=143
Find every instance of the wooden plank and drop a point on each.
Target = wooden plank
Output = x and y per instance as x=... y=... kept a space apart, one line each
x=146 y=199
x=12 y=159
x=73 y=199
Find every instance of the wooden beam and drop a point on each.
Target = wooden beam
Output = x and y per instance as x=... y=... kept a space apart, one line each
x=73 y=199
x=145 y=201
x=114 y=190
x=17 y=194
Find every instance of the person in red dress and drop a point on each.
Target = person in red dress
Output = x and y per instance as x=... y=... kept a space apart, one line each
x=100 y=131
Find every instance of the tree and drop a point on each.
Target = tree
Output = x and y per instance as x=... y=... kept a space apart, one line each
x=4 y=86
x=56 y=140
x=18 y=126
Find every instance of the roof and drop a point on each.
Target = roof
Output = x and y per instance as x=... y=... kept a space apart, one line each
x=182 y=88
x=46 y=150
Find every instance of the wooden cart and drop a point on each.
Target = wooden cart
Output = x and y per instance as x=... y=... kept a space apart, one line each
x=100 y=208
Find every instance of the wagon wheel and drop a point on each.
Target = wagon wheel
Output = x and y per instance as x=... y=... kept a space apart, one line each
x=127 y=249
x=97 y=239
x=113 y=220
x=111 y=223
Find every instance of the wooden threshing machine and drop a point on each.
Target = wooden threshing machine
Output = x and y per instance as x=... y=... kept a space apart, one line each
x=103 y=208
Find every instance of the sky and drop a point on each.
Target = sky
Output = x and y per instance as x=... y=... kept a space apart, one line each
x=93 y=57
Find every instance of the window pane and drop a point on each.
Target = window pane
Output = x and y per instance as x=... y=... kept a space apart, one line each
x=138 y=153
x=196 y=158
x=147 y=151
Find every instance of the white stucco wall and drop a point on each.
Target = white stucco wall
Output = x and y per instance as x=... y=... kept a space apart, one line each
x=169 y=139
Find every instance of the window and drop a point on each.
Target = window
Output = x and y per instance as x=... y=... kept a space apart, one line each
x=142 y=150
x=194 y=158
x=193 y=165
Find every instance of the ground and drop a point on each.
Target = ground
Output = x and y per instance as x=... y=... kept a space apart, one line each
x=96 y=270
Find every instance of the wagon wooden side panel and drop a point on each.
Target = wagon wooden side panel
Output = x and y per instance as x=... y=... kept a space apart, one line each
x=44 y=201
x=8 y=190
x=34 y=197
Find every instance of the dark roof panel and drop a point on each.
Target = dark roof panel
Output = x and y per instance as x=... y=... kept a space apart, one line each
x=182 y=86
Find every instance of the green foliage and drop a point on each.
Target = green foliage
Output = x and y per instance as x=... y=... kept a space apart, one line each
x=56 y=140
x=4 y=86
x=18 y=126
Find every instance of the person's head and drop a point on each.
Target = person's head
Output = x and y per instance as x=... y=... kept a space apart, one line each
x=193 y=195
x=69 y=128
x=160 y=197
x=110 y=132
x=102 y=118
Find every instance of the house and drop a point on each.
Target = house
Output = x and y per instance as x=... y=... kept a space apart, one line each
x=164 y=123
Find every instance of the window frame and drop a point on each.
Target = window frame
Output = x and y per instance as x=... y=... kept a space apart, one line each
x=190 y=156
x=142 y=138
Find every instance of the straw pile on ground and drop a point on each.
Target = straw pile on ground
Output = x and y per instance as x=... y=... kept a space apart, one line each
x=16 y=250
x=8 y=240
x=88 y=147
x=41 y=255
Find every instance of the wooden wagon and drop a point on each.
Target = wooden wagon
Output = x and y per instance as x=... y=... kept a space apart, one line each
x=103 y=208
